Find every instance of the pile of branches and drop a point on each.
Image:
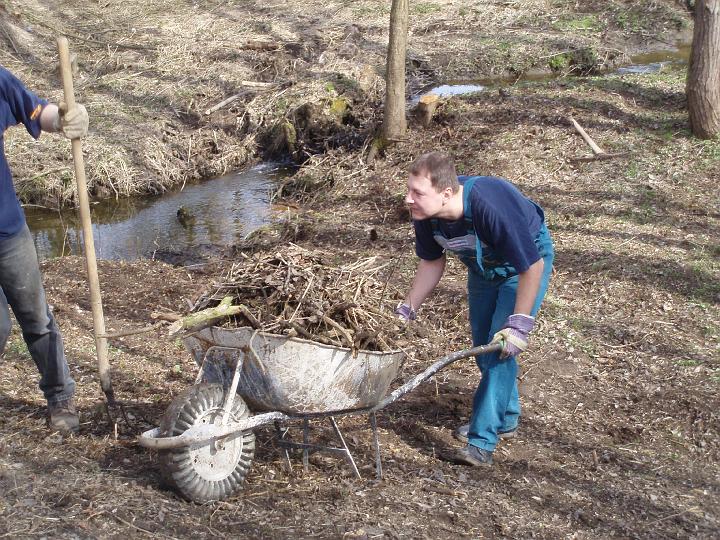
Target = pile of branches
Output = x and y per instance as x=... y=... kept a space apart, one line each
x=295 y=293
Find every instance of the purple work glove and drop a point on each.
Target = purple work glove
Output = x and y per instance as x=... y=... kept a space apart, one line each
x=405 y=313
x=514 y=334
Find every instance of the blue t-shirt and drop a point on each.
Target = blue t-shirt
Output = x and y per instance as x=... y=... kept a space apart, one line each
x=17 y=104
x=504 y=220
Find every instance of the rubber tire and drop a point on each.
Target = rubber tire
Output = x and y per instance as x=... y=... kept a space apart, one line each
x=177 y=466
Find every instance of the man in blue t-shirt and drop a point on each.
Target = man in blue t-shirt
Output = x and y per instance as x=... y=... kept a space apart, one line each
x=500 y=235
x=20 y=282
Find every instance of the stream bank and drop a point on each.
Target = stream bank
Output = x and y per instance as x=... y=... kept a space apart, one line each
x=181 y=226
x=173 y=103
x=189 y=225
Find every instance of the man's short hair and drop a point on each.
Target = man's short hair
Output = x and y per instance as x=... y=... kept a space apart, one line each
x=439 y=168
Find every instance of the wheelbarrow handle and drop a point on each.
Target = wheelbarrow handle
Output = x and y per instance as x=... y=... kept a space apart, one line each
x=433 y=369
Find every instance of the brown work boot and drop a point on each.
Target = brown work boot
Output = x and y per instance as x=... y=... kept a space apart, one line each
x=63 y=417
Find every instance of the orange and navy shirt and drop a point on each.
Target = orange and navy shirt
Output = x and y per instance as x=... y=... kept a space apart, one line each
x=17 y=105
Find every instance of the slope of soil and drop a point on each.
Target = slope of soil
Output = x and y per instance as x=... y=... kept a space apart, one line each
x=151 y=74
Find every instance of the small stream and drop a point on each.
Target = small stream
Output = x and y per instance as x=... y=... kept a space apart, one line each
x=217 y=212
x=644 y=63
x=220 y=212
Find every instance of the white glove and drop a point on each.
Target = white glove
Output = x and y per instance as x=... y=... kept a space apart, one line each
x=74 y=123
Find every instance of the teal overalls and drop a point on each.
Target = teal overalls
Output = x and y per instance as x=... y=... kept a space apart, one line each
x=492 y=287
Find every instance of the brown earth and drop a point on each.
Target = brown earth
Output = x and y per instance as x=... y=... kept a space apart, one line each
x=619 y=436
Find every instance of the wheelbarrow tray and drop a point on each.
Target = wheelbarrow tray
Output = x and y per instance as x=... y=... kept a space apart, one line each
x=298 y=376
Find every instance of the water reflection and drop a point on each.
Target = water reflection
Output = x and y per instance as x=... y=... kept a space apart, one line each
x=456 y=89
x=641 y=69
x=680 y=54
x=217 y=212
x=645 y=63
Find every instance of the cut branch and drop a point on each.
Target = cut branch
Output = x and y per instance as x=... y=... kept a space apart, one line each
x=206 y=317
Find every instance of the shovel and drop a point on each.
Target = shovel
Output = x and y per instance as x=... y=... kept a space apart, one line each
x=101 y=344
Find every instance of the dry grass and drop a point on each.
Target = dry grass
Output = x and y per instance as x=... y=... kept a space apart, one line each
x=149 y=71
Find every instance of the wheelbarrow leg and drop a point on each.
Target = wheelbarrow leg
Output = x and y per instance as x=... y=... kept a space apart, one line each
x=376 y=444
x=281 y=437
x=306 y=450
x=344 y=445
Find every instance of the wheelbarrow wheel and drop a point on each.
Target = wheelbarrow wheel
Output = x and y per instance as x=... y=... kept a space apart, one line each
x=211 y=470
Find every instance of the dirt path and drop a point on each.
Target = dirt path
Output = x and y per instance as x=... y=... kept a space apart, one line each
x=620 y=387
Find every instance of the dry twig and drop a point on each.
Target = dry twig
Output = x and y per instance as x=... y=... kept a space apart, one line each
x=295 y=293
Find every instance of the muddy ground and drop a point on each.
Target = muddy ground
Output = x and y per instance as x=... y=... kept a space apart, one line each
x=620 y=386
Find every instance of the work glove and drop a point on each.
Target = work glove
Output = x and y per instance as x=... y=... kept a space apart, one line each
x=514 y=334
x=74 y=123
x=405 y=313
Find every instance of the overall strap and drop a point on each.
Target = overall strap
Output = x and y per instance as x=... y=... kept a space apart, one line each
x=467 y=211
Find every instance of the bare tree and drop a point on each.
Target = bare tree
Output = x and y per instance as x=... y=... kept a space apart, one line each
x=394 y=122
x=703 y=82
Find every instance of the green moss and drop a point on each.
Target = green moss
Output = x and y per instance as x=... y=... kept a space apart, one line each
x=380 y=143
x=290 y=134
x=423 y=8
x=281 y=105
x=632 y=171
x=585 y=60
x=366 y=11
x=342 y=84
x=16 y=347
x=589 y=22
x=339 y=107
x=629 y=21
x=504 y=46
x=559 y=62
x=688 y=362
x=711 y=149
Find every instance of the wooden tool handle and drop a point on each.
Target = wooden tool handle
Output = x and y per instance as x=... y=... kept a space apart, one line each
x=66 y=72
x=595 y=148
x=84 y=207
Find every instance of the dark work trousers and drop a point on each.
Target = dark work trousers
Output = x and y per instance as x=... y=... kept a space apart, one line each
x=21 y=289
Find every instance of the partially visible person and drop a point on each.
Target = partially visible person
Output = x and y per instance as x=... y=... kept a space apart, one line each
x=21 y=285
x=500 y=235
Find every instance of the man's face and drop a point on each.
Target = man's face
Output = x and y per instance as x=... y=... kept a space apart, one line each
x=422 y=199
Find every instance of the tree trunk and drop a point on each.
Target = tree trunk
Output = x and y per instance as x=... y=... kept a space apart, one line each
x=394 y=123
x=703 y=82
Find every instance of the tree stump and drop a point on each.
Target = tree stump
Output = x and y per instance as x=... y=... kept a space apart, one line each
x=426 y=108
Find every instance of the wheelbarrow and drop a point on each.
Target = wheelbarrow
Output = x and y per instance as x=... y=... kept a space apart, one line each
x=205 y=439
